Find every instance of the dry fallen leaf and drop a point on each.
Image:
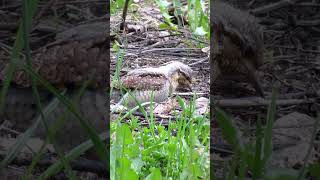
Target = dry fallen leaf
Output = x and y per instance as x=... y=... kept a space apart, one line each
x=202 y=106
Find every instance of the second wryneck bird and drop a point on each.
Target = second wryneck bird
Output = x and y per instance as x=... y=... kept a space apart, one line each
x=237 y=44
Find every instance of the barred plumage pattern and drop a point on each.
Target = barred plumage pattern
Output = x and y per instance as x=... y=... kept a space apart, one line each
x=148 y=81
x=141 y=86
x=159 y=82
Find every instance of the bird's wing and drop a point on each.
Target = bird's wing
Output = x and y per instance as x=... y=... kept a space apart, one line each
x=144 y=81
x=149 y=70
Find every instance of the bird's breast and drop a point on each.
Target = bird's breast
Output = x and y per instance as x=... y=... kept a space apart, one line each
x=158 y=96
x=143 y=96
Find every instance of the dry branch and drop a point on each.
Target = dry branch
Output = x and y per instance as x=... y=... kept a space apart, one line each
x=260 y=102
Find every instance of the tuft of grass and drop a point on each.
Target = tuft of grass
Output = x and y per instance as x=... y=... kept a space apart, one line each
x=178 y=151
x=253 y=158
x=26 y=24
x=17 y=48
x=197 y=15
x=117 y=5
x=248 y=157
x=198 y=18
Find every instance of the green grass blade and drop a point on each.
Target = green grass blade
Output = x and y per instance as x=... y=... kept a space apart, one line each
x=73 y=154
x=257 y=161
x=26 y=27
x=268 y=130
x=16 y=148
x=99 y=145
x=116 y=77
x=229 y=130
x=49 y=109
x=14 y=58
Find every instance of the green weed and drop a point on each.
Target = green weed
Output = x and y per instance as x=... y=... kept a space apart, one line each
x=177 y=151
x=253 y=158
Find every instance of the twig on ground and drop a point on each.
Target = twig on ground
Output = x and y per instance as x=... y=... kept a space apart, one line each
x=260 y=102
x=200 y=61
x=273 y=6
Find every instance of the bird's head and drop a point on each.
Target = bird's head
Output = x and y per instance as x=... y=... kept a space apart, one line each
x=180 y=73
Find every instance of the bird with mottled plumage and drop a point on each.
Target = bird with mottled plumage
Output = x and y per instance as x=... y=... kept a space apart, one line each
x=77 y=56
x=159 y=83
x=237 y=44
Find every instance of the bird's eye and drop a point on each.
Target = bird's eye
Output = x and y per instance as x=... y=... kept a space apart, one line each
x=182 y=73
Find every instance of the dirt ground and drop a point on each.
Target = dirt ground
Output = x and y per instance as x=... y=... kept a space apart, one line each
x=149 y=46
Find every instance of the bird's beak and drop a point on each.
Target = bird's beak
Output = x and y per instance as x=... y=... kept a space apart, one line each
x=189 y=87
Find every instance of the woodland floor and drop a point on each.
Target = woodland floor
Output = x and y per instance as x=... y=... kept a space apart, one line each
x=292 y=66
x=51 y=18
x=145 y=45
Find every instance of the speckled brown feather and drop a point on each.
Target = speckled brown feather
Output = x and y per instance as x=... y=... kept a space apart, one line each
x=151 y=82
x=69 y=62
x=159 y=82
